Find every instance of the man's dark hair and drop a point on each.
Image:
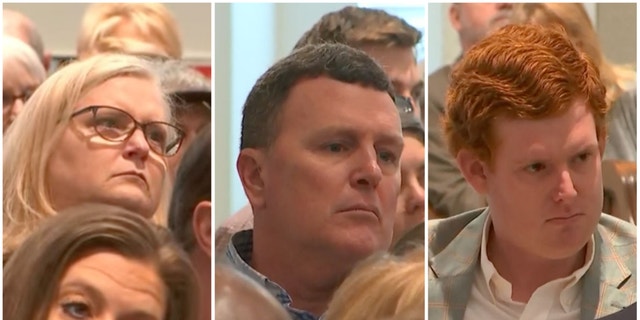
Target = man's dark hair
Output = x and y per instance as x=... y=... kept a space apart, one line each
x=192 y=186
x=263 y=106
x=356 y=26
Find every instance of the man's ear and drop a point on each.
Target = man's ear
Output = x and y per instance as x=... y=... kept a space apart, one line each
x=46 y=62
x=250 y=167
x=473 y=169
x=201 y=224
x=454 y=16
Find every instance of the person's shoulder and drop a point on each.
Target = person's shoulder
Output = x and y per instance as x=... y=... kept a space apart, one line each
x=441 y=232
x=616 y=230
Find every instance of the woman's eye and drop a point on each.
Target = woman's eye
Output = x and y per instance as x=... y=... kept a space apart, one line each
x=106 y=122
x=76 y=310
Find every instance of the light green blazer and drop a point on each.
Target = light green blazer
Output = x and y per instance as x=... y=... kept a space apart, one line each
x=454 y=249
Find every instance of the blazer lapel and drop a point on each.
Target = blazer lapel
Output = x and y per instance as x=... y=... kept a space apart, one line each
x=609 y=285
x=452 y=270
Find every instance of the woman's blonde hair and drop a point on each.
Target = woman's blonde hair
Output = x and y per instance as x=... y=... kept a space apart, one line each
x=382 y=287
x=33 y=273
x=152 y=21
x=30 y=140
x=129 y=46
x=574 y=19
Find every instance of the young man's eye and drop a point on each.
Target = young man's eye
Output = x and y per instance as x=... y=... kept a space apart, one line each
x=583 y=157
x=535 y=167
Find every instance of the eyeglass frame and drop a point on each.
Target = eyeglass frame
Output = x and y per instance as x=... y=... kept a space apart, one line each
x=137 y=125
x=24 y=96
x=403 y=104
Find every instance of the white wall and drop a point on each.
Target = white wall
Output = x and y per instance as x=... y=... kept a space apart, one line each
x=59 y=24
x=249 y=38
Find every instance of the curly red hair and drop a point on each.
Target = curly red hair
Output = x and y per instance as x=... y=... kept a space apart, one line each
x=518 y=72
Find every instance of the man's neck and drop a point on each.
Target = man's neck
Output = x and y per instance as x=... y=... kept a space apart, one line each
x=201 y=262
x=309 y=279
x=523 y=270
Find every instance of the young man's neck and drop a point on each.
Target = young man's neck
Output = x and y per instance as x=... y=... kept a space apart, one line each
x=523 y=270
x=309 y=279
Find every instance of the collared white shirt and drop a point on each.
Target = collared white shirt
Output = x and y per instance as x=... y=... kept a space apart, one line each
x=491 y=293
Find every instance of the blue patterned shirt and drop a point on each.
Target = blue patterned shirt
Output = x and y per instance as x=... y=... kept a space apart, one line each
x=239 y=252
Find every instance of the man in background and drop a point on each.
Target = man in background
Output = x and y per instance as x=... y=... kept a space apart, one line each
x=449 y=193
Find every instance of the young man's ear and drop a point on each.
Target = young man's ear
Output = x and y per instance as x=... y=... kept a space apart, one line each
x=201 y=224
x=249 y=165
x=473 y=169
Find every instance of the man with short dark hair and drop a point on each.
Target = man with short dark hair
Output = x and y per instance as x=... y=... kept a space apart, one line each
x=319 y=162
x=386 y=38
x=190 y=212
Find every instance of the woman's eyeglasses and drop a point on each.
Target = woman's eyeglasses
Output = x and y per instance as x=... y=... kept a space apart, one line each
x=116 y=125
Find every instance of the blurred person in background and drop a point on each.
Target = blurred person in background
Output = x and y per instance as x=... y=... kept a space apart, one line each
x=449 y=193
x=22 y=73
x=150 y=27
x=382 y=287
x=190 y=93
x=190 y=213
x=17 y=25
x=238 y=297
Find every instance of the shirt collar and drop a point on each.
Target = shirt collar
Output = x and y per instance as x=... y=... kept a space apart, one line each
x=503 y=288
x=239 y=252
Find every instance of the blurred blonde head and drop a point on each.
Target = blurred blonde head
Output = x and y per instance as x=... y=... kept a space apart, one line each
x=130 y=46
x=574 y=19
x=238 y=297
x=30 y=140
x=151 y=24
x=382 y=287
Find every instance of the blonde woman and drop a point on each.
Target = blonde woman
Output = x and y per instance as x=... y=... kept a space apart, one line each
x=99 y=262
x=98 y=130
x=382 y=287
x=151 y=24
x=619 y=80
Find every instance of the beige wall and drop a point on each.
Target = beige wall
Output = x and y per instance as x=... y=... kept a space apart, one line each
x=616 y=27
x=59 y=24
x=614 y=22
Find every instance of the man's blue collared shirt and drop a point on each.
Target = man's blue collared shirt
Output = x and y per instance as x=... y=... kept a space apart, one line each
x=239 y=253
